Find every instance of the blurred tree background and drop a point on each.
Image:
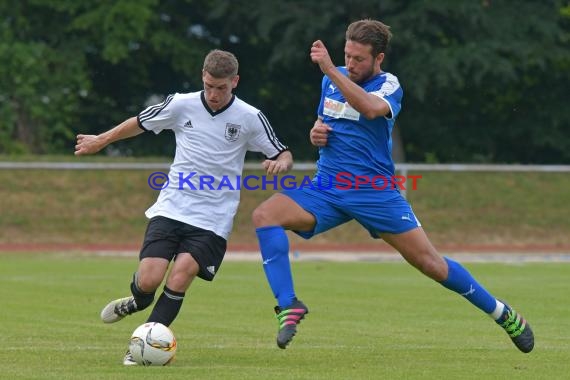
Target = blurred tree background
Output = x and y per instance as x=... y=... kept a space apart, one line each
x=484 y=81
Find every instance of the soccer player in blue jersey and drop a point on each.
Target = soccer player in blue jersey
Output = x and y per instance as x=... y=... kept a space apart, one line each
x=359 y=104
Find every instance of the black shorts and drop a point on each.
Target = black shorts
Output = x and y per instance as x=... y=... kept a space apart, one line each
x=166 y=238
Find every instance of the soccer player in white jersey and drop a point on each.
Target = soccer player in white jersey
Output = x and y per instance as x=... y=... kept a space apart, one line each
x=192 y=217
x=356 y=114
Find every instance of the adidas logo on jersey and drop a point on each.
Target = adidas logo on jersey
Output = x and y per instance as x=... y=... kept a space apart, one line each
x=188 y=124
x=211 y=269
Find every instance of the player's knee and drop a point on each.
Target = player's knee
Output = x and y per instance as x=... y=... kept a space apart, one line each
x=261 y=216
x=148 y=283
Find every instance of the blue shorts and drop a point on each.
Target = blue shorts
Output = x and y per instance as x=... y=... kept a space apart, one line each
x=376 y=210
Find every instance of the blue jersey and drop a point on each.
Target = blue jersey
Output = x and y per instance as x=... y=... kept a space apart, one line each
x=357 y=145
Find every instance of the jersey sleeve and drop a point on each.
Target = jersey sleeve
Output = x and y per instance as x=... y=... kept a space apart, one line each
x=160 y=116
x=391 y=92
x=264 y=139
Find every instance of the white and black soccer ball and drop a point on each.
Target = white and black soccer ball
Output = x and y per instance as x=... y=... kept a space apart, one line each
x=152 y=343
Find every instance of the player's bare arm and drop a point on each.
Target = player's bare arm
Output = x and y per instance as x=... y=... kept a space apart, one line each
x=370 y=106
x=282 y=164
x=319 y=133
x=90 y=144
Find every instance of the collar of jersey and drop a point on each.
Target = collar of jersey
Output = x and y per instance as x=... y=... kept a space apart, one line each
x=212 y=112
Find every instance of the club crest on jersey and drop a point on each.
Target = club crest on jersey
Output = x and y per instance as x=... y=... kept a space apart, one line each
x=232 y=131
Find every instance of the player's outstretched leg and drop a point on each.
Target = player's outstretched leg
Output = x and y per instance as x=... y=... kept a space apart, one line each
x=461 y=281
x=118 y=309
x=518 y=329
x=289 y=317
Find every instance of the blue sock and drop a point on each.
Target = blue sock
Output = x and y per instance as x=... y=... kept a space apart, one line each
x=460 y=281
x=274 y=246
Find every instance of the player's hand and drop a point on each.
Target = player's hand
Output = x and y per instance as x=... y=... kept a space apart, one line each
x=87 y=144
x=273 y=167
x=319 y=133
x=320 y=56
x=282 y=164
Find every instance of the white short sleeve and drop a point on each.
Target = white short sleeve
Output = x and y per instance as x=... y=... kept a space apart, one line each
x=160 y=116
x=264 y=139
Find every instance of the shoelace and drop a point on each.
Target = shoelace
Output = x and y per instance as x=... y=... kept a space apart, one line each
x=125 y=308
x=513 y=325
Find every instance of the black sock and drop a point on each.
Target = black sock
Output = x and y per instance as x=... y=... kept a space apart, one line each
x=167 y=307
x=142 y=299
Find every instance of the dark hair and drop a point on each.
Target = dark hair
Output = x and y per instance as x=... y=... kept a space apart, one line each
x=221 y=64
x=370 y=32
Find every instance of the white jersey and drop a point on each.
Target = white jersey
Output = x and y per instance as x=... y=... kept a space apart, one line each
x=210 y=152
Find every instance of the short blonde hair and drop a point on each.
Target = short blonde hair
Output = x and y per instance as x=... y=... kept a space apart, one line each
x=221 y=64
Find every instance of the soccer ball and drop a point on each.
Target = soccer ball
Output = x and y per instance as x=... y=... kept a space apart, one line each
x=152 y=344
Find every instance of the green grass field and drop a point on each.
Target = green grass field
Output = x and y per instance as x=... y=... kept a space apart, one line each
x=368 y=320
